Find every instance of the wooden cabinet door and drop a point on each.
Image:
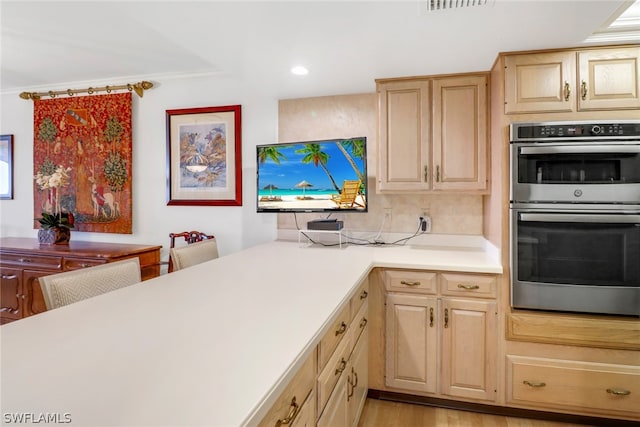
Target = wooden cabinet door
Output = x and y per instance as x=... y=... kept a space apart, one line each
x=469 y=341
x=34 y=302
x=11 y=294
x=411 y=350
x=460 y=126
x=403 y=135
x=609 y=79
x=336 y=413
x=307 y=415
x=358 y=379
x=543 y=82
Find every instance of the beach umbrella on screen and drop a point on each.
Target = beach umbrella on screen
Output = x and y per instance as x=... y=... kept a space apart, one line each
x=270 y=187
x=303 y=184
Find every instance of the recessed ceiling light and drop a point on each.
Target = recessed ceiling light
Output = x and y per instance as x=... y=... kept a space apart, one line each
x=299 y=71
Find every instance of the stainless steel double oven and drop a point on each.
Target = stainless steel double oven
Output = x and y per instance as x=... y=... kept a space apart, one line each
x=575 y=216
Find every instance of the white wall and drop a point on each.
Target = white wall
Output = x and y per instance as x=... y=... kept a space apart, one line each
x=235 y=227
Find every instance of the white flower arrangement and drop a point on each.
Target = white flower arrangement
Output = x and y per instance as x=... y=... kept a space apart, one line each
x=58 y=179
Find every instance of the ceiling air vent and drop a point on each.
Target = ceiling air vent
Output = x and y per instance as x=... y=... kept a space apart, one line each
x=431 y=5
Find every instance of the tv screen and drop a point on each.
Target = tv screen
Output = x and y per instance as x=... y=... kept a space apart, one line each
x=313 y=176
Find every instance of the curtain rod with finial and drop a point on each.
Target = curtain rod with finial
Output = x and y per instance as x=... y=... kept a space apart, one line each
x=138 y=88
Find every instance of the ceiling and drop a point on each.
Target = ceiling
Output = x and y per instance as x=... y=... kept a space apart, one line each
x=55 y=45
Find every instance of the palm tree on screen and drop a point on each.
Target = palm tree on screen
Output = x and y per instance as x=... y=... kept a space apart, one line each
x=270 y=153
x=314 y=154
x=357 y=149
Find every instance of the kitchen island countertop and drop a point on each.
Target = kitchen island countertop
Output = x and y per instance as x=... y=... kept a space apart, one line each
x=210 y=345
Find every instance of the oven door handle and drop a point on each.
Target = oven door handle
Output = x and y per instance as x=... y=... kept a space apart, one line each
x=557 y=149
x=564 y=217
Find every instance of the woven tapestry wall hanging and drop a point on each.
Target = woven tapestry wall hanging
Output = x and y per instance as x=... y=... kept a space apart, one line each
x=82 y=161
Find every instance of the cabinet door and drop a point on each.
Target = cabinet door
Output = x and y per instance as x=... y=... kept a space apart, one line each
x=34 y=302
x=411 y=350
x=469 y=341
x=543 y=82
x=358 y=379
x=460 y=125
x=11 y=293
x=307 y=415
x=609 y=79
x=336 y=413
x=403 y=133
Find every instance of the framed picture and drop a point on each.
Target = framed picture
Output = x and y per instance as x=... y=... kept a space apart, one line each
x=204 y=161
x=6 y=166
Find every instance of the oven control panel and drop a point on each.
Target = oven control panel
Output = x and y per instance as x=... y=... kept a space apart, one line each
x=582 y=130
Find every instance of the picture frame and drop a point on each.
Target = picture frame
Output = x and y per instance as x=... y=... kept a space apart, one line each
x=6 y=167
x=204 y=156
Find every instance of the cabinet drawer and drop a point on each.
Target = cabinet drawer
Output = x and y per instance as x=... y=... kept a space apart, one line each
x=421 y=282
x=468 y=285
x=358 y=325
x=77 y=263
x=333 y=336
x=330 y=375
x=292 y=399
x=32 y=261
x=360 y=297
x=595 y=387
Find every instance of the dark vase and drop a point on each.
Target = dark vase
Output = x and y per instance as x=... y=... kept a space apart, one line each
x=54 y=236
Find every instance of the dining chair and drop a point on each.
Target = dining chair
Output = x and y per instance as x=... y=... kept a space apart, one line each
x=189 y=238
x=195 y=253
x=72 y=286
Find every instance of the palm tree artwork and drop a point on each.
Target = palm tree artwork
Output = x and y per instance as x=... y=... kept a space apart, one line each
x=270 y=153
x=357 y=148
x=313 y=154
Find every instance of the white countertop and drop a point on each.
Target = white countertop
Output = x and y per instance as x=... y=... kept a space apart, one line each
x=210 y=345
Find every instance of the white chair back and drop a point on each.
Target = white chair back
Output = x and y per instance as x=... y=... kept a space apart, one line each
x=76 y=285
x=195 y=253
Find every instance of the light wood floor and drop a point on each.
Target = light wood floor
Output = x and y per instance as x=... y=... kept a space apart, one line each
x=382 y=413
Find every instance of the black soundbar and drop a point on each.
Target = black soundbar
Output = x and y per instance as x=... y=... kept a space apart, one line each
x=325 y=224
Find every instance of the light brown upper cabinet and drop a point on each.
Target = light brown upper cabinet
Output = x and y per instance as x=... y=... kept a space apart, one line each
x=571 y=81
x=433 y=134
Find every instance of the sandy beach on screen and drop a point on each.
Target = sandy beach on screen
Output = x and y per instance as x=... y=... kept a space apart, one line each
x=315 y=202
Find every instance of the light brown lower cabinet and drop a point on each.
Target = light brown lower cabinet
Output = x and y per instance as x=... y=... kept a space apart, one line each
x=343 y=383
x=336 y=411
x=307 y=415
x=441 y=344
x=331 y=387
x=599 y=389
x=297 y=400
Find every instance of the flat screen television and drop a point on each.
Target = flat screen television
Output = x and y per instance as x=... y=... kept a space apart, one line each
x=313 y=176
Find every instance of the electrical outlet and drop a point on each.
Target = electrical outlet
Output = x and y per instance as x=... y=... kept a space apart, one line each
x=424 y=224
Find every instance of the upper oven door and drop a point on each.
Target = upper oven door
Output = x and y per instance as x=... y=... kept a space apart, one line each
x=575 y=172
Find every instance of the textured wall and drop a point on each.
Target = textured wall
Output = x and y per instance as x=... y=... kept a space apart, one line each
x=355 y=115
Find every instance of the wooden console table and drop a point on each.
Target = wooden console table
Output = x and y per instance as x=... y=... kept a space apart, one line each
x=23 y=260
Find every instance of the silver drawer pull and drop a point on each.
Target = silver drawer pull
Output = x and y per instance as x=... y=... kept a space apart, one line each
x=534 y=384
x=468 y=287
x=84 y=265
x=618 y=391
x=25 y=260
x=9 y=276
x=404 y=282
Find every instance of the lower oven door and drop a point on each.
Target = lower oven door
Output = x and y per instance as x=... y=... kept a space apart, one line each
x=575 y=261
